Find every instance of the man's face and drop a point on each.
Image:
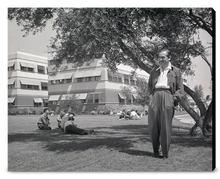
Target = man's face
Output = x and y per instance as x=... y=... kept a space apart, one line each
x=47 y=111
x=163 y=59
x=62 y=112
x=71 y=116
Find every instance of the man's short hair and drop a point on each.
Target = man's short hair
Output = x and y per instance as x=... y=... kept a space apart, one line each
x=71 y=113
x=166 y=50
x=45 y=109
x=64 y=110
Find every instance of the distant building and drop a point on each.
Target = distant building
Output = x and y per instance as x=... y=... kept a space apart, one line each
x=27 y=80
x=93 y=84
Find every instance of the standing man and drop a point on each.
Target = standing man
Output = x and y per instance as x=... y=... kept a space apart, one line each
x=44 y=122
x=166 y=90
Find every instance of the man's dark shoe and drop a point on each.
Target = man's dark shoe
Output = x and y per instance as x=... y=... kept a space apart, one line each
x=158 y=154
x=155 y=155
x=165 y=157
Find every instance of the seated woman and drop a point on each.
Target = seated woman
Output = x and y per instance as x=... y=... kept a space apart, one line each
x=68 y=126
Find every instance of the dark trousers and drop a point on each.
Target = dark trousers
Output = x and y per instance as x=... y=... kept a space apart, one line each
x=43 y=127
x=72 y=129
x=161 y=111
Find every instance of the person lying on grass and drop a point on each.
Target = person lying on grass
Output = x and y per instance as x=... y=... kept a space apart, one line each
x=67 y=125
x=134 y=115
x=44 y=122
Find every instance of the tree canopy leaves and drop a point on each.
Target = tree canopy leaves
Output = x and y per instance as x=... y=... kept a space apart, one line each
x=131 y=36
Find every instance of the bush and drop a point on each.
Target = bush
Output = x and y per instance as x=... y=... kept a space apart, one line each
x=19 y=111
x=39 y=110
x=12 y=111
x=32 y=111
x=25 y=111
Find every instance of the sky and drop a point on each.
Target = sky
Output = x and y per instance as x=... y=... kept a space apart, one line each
x=37 y=45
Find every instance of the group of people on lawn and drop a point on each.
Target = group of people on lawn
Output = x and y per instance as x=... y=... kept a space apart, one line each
x=133 y=115
x=65 y=123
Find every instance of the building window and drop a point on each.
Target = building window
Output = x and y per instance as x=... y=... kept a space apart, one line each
x=79 y=79
x=132 y=82
x=27 y=69
x=44 y=86
x=88 y=78
x=115 y=78
x=90 y=98
x=69 y=80
x=109 y=76
x=11 y=68
x=97 y=78
x=53 y=82
x=53 y=102
x=11 y=86
x=11 y=104
x=41 y=69
x=119 y=79
x=31 y=87
x=51 y=62
x=126 y=79
x=121 y=101
x=95 y=98
x=37 y=104
x=61 y=81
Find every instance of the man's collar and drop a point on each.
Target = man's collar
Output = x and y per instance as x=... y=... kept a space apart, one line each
x=168 y=67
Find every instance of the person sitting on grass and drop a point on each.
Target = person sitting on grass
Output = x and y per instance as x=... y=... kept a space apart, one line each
x=44 y=122
x=60 y=116
x=124 y=115
x=68 y=126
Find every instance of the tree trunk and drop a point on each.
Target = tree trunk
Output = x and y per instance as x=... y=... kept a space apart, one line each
x=198 y=119
x=207 y=124
x=197 y=129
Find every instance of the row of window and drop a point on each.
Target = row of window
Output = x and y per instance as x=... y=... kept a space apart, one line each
x=61 y=81
x=85 y=79
x=118 y=78
x=44 y=86
x=93 y=98
x=97 y=98
x=40 y=69
x=35 y=104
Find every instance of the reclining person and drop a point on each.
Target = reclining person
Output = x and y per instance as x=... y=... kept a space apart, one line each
x=134 y=115
x=67 y=125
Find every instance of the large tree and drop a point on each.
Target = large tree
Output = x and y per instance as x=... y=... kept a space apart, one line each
x=131 y=36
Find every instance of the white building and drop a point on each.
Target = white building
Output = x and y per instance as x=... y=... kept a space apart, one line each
x=95 y=85
x=27 y=80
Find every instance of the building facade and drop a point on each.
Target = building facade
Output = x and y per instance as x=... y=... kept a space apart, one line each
x=27 y=80
x=93 y=84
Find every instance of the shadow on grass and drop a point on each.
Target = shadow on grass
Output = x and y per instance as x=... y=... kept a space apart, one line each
x=136 y=152
x=119 y=137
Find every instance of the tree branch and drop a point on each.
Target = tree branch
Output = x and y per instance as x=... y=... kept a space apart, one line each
x=133 y=57
x=199 y=103
x=200 y=22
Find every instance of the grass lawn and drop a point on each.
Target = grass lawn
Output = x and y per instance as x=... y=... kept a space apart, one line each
x=117 y=146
